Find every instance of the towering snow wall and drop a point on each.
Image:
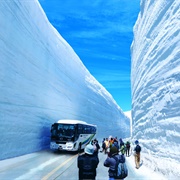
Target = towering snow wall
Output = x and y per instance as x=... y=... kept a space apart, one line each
x=42 y=80
x=156 y=83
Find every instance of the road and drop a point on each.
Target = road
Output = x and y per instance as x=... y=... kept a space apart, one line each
x=46 y=165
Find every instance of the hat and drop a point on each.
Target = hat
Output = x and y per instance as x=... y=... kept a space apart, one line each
x=89 y=149
x=113 y=150
x=136 y=142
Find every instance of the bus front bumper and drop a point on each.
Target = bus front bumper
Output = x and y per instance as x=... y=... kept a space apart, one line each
x=62 y=147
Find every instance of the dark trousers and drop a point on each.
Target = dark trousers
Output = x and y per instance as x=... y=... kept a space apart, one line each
x=127 y=151
x=87 y=175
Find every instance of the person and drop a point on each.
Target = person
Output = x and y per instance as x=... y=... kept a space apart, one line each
x=97 y=147
x=106 y=145
x=116 y=139
x=111 y=141
x=93 y=144
x=116 y=144
x=103 y=145
x=121 y=142
x=137 y=151
x=127 y=148
x=111 y=161
x=123 y=149
x=87 y=164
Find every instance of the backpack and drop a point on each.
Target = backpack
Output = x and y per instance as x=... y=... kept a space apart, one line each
x=128 y=144
x=123 y=149
x=138 y=149
x=121 y=168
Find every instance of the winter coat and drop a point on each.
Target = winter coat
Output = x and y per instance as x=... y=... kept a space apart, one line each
x=87 y=165
x=128 y=145
x=111 y=163
x=137 y=149
x=106 y=143
x=97 y=147
x=116 y=144
x=122 y=149
x=121 y=142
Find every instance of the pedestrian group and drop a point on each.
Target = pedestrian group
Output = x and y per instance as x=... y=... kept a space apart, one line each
x=115 y=161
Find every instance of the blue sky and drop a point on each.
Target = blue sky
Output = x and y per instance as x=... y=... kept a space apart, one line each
x=101 y=33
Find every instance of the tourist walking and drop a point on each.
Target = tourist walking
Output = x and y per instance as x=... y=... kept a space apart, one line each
x=128 y=145
x=137 y=151
x=111 y=162
x=87 y=164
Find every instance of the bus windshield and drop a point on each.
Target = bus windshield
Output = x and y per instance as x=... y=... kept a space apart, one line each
x=63 y=130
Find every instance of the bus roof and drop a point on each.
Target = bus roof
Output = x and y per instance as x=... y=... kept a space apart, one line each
x=70 y=121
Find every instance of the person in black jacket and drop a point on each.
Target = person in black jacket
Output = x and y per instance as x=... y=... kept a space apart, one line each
x=97 y=147
x=87 y=164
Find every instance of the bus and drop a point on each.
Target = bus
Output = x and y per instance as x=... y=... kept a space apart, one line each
x=71 y=135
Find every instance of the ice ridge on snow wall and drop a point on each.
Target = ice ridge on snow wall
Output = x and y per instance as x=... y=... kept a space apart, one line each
x=42 y=80
x=155 y=80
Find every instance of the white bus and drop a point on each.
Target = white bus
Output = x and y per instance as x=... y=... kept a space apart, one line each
x=71 y=135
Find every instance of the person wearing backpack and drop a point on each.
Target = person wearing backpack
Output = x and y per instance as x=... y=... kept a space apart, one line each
x=116 y=144
x=137 y=151
x=87 y=164
x=127 y=148
x=113 y=161
x=123 y=149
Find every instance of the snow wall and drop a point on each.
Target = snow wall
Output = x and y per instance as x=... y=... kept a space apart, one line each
x=155 y=76
x=42 y=80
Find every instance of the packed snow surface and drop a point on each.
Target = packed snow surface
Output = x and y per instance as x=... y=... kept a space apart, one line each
x=155 y=76
x=42 y=80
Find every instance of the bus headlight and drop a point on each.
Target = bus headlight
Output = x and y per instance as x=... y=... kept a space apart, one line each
x=69 y=145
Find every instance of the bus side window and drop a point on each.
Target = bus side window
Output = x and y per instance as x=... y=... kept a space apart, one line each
x=79 y=129
x=93 y=130
x=88 y=130
x=85 y=129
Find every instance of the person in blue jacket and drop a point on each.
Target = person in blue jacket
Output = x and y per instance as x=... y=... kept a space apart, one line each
x=111 y=161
